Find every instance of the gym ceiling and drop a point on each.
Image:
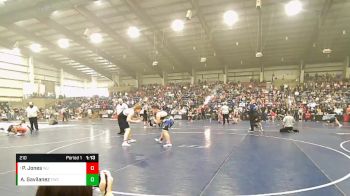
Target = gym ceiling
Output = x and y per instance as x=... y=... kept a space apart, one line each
x=103 y=38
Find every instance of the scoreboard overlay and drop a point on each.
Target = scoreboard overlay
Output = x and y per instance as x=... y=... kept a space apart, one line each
x=57 y=170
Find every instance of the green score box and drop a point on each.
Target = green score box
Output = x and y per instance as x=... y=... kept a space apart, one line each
x=92 y=180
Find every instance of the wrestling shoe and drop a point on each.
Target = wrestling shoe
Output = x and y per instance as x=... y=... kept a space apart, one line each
x=167 y=145
x=158 y=140
x=125 y=144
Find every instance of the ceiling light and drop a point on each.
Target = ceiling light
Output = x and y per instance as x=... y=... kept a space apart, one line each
x=96 y=38
x=63 y=43
x=327 y=51
x=133 y=32
x=189 y=14
x=35 y=47
x=78 y=66
x=293 y=7
x=87 y=32
x=230 y=17
x=98 y=2
x=84 y=69
x=154 y=63
x=259 y=55
x=55 y=13
x=177 y=25
x=2 y=2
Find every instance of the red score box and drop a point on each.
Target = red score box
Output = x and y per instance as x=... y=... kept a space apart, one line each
x=92 y=168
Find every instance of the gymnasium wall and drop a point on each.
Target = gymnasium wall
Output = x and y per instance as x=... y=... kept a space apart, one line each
x=43 y=72
x=216 y=75
x=283 y=72
x=152 y=79
x=46 y=75
x=127 y=81
x=330 y=68
x=15 y=78
x=13 y=75
x=104 y=83
x=243 y=75
x=179 y=78
x=290 y=72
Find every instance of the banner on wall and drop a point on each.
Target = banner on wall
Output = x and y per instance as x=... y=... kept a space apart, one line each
x=41 y=89
x=69 y=91
x=28 y=88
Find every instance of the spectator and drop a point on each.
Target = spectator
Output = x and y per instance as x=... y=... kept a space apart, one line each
x=288 y=123
x=308 y=115
x=64 y=113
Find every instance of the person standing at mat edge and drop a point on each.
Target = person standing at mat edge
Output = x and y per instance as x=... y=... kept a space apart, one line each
x=225 y=113
x=120 y=107
x=32 y=114
x=253 y=114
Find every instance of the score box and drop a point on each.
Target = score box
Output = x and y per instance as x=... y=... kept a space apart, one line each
x=57 y=170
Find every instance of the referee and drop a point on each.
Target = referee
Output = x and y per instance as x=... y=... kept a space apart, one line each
x=121 y=107
x=253 y=114
x=32 y=114
x=225 y=113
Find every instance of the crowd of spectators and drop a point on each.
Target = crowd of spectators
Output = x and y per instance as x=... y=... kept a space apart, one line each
x=308 y=101
x=311 y=100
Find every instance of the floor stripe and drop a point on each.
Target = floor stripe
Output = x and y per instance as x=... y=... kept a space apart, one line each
x=347 y=176
x=91 y=138
x=342 y=146
x=134 y=194
x=40 y=144
x=218 y=170
x=130 y=194
x=318 y=167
